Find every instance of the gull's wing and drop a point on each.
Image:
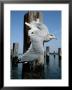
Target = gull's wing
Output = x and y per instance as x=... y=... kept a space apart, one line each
x=35 y=49
x=29 y=55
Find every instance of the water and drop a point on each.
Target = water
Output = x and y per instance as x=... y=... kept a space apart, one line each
x=52 y=69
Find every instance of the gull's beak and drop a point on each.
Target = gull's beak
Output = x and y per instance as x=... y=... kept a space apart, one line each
x=55 y=38
x=28 y=24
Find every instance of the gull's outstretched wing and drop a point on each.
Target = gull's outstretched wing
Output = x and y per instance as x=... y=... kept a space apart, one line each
x=35 y=50
x=29 y=55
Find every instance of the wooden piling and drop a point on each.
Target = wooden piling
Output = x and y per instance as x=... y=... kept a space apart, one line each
x=47 y=51
x=37 y=64
x=59 y=53
x=25 y=70
x=14 y=53
x=47 y=54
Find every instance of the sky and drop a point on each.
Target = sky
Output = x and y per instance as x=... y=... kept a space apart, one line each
x=52 y=19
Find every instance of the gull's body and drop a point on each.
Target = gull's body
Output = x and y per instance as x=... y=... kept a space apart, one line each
x=35 y=50
x=38 y=34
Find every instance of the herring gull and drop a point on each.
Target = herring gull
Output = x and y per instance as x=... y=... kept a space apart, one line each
x=38 y=33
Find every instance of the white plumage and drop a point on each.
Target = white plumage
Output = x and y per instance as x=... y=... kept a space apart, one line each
x=38 y=34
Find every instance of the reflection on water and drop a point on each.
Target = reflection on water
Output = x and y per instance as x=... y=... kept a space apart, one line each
x=52 y=69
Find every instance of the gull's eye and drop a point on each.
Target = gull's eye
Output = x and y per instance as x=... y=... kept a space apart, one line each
x=51 y=35
x=32 y=33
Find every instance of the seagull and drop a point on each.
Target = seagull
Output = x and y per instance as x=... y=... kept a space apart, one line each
x=38 y=34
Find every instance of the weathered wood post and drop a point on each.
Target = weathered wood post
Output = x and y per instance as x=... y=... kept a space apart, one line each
x=25 y=70
x=54 y=54
x=59 y=53
x=14 y=53
x=47 y=54
x=38 y=64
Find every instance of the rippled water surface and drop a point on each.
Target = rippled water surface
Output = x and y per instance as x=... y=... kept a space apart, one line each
x=52 y=69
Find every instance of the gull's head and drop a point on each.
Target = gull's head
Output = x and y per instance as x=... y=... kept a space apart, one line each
x=32 y=32
x=52 y=36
